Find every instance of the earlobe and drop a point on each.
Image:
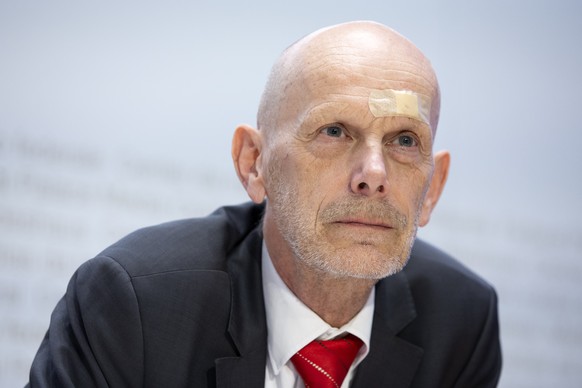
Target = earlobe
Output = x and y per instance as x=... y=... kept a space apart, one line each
x=442 y=161
x=246 y=155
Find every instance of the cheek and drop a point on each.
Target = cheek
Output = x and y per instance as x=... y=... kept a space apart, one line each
x=409 y=188
x=316 y=175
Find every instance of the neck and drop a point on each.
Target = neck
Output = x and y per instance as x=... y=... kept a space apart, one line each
x=335 y=300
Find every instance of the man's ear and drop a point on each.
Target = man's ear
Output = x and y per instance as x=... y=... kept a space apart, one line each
x=246 y=155
x=442 y=160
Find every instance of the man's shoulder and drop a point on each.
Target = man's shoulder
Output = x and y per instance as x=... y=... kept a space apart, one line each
x=189 y=244
x=455 y=320
x=433 y=268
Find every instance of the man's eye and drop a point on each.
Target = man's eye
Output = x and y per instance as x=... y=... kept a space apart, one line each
x=334 y=131
x=406 y=141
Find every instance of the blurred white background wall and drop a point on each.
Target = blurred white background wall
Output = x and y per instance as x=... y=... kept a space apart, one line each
x=116 y=115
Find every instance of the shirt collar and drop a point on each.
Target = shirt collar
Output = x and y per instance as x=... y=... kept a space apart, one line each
x=287 y=336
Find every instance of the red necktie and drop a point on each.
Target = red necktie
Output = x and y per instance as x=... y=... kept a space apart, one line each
x=325 y=364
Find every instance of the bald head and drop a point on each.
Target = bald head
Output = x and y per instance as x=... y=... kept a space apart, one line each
x=361 y=54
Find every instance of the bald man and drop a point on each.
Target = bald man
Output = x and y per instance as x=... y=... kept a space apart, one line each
x=319 y=281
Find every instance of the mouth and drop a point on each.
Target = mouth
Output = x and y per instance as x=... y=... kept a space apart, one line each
x=364 y=223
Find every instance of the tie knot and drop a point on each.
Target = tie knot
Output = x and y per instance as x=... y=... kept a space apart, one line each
x=323 y=364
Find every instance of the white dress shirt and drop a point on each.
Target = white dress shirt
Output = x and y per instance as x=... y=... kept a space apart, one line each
x=292 y=325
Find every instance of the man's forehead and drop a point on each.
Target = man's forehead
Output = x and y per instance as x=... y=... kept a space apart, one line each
x=373 y=94
x=394 y=86
x=381 y=92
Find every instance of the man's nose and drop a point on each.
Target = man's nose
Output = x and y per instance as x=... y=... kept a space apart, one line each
x=369 y=177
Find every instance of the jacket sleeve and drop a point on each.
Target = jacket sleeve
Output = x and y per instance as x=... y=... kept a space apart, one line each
x=484 y=367
x=95 y=336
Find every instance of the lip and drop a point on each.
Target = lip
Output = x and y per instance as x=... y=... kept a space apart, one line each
x=359 y=222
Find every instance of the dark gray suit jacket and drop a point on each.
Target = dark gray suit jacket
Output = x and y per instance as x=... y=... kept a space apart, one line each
x=181 y=305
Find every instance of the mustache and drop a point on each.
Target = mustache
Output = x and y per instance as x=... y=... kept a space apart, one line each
x=378 y=211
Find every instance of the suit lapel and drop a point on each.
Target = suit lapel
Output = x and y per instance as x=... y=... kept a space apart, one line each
x=392 y=361
x=247 y=325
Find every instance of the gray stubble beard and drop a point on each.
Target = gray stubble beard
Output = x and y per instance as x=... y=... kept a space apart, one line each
x=305 y=246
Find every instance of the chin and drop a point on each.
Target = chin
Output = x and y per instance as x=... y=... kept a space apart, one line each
x=363 y=263
x=377 y=271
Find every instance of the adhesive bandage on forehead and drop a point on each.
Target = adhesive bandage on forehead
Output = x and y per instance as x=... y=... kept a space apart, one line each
x=390 y=102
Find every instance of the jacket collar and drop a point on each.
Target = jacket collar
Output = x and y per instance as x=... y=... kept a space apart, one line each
x=247 y=325
x=392 y=361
